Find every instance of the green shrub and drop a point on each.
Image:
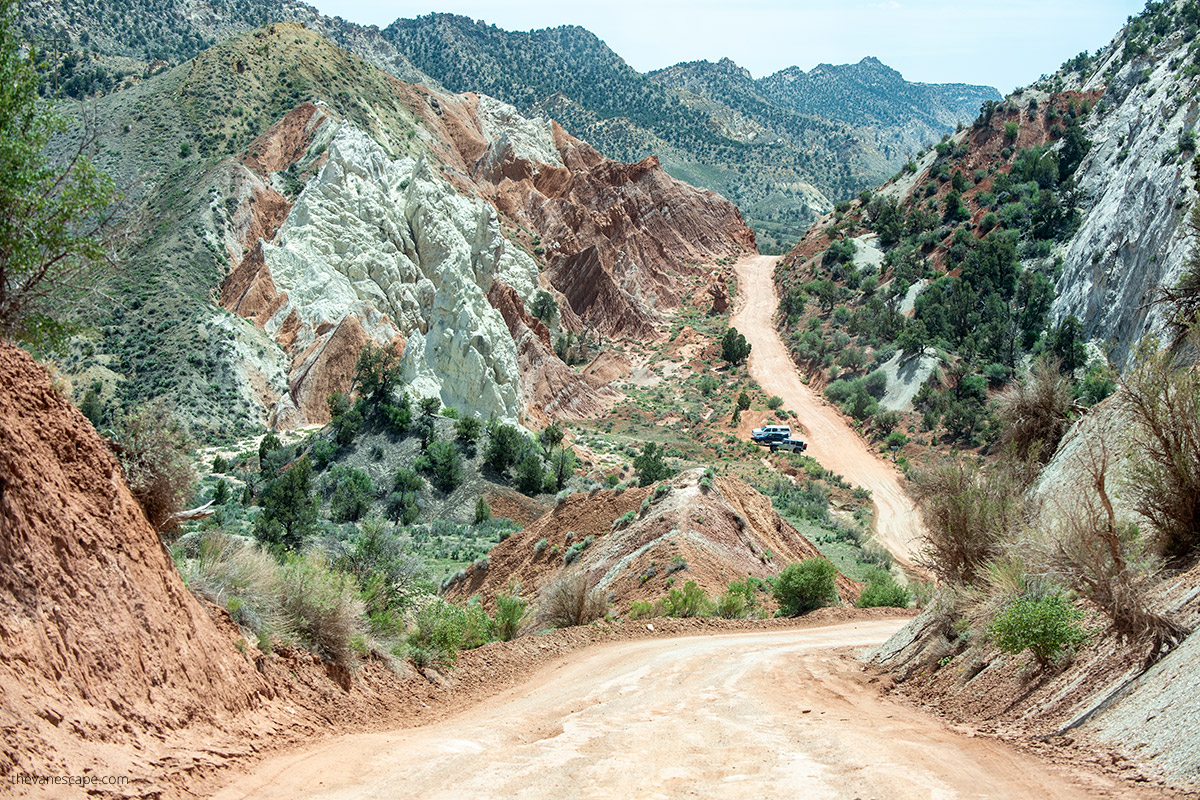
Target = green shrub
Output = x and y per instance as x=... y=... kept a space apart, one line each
x=289 y=508
x=882 y=590
x=691 y=601
x=443 y=463
x=651 y=466
x=774 y=402
x=322 y=606
x=511 y=611
x=644 y=609
x=503 y=447
x=734 y=347
x=483 y=511
x=1043 y=622
x=352 y=493
x=805 y=586
x=740 y=600
x=467 y=429
x=531 y=475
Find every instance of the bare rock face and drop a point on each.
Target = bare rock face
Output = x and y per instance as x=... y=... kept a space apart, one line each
x=386 y=251
x=405 y=252
x=101 y=645
x=1134 y=238
x=551 y=389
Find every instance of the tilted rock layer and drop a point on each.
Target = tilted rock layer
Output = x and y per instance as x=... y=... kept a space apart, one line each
x=405 y=252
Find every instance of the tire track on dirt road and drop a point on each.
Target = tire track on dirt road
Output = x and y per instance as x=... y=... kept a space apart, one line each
x=831 y=440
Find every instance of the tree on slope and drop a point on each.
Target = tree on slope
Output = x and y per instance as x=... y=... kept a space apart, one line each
x=52 y=216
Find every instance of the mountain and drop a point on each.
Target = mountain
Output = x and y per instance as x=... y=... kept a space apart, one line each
x=783 y=148
x=1051 y=224
x=323 y=204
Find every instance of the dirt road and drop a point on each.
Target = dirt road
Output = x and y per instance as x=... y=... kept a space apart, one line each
x=764 y=714
x=831 y=441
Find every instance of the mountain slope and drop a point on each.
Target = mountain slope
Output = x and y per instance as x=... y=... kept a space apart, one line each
x=326 y=205
x=781 y=157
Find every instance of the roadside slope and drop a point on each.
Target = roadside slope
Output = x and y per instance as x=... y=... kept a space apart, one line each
x=831 y=440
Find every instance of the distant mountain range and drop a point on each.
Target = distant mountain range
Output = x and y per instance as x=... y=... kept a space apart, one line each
x=784 y=147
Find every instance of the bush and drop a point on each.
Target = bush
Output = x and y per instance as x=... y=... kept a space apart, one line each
x=352 y=494
x=1164 y=475
x=531 y=475
x=444 y=464
x=511 y=611
x=691 y=601
x=707 y=384
x=739 y=601
x=467 y=429
x=377 y=372
x=968 y=513
x=1043 y=622
x=734 y=347
x=442 y=629
x=882 y=590
x=644 y=609
x=805 y=586
x=504 y=444
x=239 y=577
x=322 y=606
x=1035 y=411
x=774 y=402
x=289 y=508
x=875 y=384
x=154 y=451
x=569 y=601
x=544 y=306
x=483 y=512
x=651 y=466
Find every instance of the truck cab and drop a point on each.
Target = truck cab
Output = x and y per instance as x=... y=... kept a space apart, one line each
x=771 y=433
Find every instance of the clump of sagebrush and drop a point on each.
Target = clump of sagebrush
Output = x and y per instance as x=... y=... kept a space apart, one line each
x=1105 y=560
x=1163 y=398
x=969 y=512
x=1034 y=412
x=571 y=601
x=155 y=456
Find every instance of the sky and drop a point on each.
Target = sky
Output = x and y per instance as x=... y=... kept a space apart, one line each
x=1003 y=44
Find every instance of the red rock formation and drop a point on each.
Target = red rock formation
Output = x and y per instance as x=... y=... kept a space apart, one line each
x=617 y=238
x=723 y=533
x=285 y=142
x=552 y=390
x=100 y=642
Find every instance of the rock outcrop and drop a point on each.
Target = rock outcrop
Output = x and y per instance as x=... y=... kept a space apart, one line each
x=405 y=252
x=102 y=647
x=1139 y=188
x=710 y=535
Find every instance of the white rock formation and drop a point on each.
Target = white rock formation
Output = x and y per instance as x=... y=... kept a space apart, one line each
x=1137 y=197
x=393 y=244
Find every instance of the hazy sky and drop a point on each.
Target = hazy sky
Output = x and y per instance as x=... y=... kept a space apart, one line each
x=1004 y=44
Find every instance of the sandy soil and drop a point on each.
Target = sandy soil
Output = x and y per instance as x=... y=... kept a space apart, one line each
x=831 y=440
x=766 y=714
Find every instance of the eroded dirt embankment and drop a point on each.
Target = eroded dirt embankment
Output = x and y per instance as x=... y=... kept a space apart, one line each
x=831 y=440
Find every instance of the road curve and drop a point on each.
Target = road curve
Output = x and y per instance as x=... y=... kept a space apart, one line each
x=831 y=440
x=763 y=714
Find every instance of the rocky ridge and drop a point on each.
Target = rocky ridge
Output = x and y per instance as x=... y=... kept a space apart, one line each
x=637 y=543
x=390 y=220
